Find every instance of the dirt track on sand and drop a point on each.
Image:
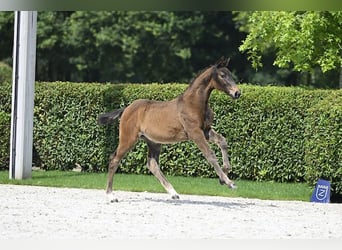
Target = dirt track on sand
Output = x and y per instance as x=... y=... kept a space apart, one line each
x=31 y=212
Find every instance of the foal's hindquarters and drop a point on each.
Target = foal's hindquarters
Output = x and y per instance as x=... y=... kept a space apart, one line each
x=156 y=123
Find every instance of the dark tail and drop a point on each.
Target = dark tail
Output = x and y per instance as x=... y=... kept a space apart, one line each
x=108 y=118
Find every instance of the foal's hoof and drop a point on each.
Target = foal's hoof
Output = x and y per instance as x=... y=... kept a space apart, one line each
x=111 y=198
x=175 y=197
x=114 y=200
x=231 y=185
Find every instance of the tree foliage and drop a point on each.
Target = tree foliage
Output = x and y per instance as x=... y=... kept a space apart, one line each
x=131 y=46
x=172 y=46
x=302 y=40
x=6 y=38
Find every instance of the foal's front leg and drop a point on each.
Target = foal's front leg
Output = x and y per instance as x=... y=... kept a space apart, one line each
x=221 y=142
x=198 y=137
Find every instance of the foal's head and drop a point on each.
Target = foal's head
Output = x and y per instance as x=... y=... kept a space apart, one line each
x=222 y=79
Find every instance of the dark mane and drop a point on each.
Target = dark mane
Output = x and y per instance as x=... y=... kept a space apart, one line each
x=198 y=74
x=221 y=63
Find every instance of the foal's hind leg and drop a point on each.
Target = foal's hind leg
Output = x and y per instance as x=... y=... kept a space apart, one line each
x=113 y=166
x=221 y=142
x=125 y=144
x=153 y=165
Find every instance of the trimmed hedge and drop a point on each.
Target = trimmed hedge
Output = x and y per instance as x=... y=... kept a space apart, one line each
x=65 y=129
x=265 y=130
x=5 y=128
x=323 y=144
x=5 y=73
x=270 y=131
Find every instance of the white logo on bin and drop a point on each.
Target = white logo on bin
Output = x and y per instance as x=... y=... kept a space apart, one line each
x=321 y=192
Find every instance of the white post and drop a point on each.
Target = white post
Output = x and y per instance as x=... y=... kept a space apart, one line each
x=24 y=62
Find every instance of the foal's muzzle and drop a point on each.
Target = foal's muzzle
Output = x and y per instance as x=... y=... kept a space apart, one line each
x=237 y=94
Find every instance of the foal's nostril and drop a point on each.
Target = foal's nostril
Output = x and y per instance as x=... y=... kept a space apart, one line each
x=237 y=94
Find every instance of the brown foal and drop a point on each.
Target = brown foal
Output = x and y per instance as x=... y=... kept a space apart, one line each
x=187 y=117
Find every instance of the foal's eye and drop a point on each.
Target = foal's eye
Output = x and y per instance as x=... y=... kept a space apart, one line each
x=222 y=74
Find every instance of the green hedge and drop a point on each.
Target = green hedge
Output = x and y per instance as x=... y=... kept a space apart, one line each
x=323 y=144
x=270 y=131
x=5 y=73
x=266 y=132
x=5 y=128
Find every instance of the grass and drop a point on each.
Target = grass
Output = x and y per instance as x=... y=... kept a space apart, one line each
x=183 y=185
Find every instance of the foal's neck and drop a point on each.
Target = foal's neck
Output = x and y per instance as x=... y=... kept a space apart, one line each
x=200 y=89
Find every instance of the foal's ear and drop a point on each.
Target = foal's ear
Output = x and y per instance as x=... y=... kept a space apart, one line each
x=222 y=62
x=227 y=61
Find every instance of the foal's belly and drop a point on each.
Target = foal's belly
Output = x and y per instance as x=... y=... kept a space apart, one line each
x=161 y=125
x=159 y=133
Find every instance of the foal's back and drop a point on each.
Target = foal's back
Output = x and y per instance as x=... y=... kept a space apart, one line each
x=158 y=121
